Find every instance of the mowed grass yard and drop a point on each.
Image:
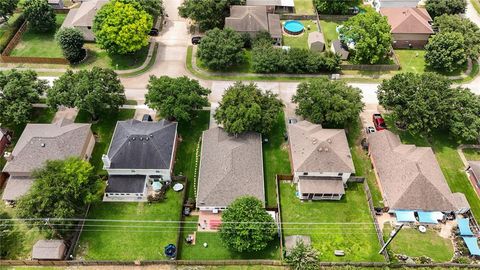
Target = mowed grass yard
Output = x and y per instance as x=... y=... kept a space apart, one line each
x=413 y=243
x=275 y=159
x=332 y=225
x=304 y=7
x=100 y=58
x=411 y=60
x=328 y=28
x=471 y=154
x=34 y=44
x=300 y=41
x=131 y=240
x=216 y=250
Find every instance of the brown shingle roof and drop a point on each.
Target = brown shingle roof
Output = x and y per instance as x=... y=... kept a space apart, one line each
x=253 y=19
x=408 y=20
x=409 y=176
x=315 y=149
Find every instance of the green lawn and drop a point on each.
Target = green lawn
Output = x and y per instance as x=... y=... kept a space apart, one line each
x=35 y=44
x=300 y=41
x=216 y=250
x=472 y=154
x=245 y=67
x=304 y=7
x=445 y=149
x=359 y=241
x=100 y=58
x=329 y=31
x=130 y=240
x=103 y=129
x=413 y=243
x=275 y=159
x=411 y=60
x=185 y=158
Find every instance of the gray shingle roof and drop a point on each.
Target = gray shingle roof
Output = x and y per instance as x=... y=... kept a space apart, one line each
x=125 y=183
x=315 y=149
x=320 y=185
x=143 y=145
x=278 y=3
x=410 y=176
x=85 y=14
x=16 y=187
x=340 y=49
x=41 y=142
x=253 y=19
x=48 y=250
x=230 y=167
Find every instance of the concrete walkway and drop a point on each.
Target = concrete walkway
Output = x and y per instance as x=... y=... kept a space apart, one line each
x=472 y=14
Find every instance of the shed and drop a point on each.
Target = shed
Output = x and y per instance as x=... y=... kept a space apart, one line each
x=316 y=42
x=340 y=49
x=49 y=250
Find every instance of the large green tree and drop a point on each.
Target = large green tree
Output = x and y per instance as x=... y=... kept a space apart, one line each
x=469 y=30
x=335 y=7
x=246 y=225
x=7 y=7
x=40 y=15
x=244 y=107
x=9 y=236
x=445 y=51
x=208 y=14
x=61 y=190
x=95 y=91
x=426 y=103
x=71 y=41
x=122 y=27
x=176 y=98
x=303 y=257
x=18 y=91
x=221 y=49
x=330 y=103
x=439 y=7
x=152 y=7
x=370 y=32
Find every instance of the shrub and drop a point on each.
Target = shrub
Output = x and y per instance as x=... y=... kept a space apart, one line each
x=71 y=41
x=40 y=15
x=14 y=24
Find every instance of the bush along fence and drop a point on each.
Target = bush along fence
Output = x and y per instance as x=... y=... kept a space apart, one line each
x=10 y=33
x=279 y=177
x=6 y=58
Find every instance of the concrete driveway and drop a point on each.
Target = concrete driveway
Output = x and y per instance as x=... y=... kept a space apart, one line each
x=472 y=14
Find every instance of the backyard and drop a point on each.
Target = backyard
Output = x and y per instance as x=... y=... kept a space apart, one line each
x=413 y=243
x=34 y=44
x=300 y=41
x=411 y=60
x=215 y=249
x=304 y=7
x=140 y=236
x=329 y=30
x=332 y=225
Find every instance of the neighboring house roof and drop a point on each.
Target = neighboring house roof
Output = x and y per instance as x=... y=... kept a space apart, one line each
x=253 y=19
x=315 y=149
x=398 y=3
x=41 y=142
x=408 y=20
x=84 y=15
x=340 y=49
x=48 y=250
x=230 y=167
x=142 y=145
x=54 y=2
x=16 y=187
x=125 y=183
x=410 y=176
x=278 y=3
x=475 y=168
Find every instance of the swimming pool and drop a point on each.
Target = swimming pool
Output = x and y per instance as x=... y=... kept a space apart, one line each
x=293 y=27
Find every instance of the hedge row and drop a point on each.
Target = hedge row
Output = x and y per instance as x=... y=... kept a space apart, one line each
x=13 y=24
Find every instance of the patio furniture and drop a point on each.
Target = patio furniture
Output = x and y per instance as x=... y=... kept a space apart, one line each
x=339 y=252
x=170 y=250
x=177 y=187
x=422 y=229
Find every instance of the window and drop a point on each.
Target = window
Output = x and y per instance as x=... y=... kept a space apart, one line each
x=304 y=194
x=340 y=174
x=305 y=173
x=122 y=194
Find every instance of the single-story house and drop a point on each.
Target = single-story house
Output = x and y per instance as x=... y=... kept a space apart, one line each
x=140 y=154
x=39 y=143
x=474 y=170
x=316 y=41
x=254 y=19
x=274 y=6
x=339 y=48
x=320 y=159
x=82 y=17
x=411 y=27
x=49 y=250
x=377 y=4
x=56 y=4
x=410 y=178
x=230 y=167
x=5 y=139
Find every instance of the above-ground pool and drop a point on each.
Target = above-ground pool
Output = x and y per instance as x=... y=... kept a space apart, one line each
x=293 y=27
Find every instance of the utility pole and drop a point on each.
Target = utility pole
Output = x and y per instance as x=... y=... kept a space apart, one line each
x=391 y=238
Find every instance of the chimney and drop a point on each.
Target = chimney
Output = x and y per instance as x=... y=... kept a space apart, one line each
x=8 y=156
x=106 y=161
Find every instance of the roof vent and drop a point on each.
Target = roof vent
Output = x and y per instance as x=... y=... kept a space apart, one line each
x=320 y=149
x=329 y=140
x=42 y=145
x=314 y=141
x=151 y=135
x=326 y=149
x=147 y=138
x=141 y=139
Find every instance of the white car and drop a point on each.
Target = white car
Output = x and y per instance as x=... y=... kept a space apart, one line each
x=370 y=130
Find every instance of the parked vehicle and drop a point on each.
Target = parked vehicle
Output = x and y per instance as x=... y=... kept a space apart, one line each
x=292 y=121
x=147 y=118
x=196 y=40
x=154 y=32
x=379 y=122
x=369 y=130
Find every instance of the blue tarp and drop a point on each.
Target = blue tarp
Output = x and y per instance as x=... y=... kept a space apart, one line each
x=405 y=216
x=472 y=244
x=429 y=217
x=464 y=226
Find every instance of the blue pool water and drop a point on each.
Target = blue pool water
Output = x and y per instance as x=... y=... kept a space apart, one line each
x=293 y=27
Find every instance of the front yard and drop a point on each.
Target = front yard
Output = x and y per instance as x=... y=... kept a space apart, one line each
x=300 y=41
x=332 y=225
x=413 y=243
x=131 y=239
x=35 y=44
x=100 y=58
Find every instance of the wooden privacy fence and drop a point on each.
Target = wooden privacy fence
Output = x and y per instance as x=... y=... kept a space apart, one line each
x=15 y=40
